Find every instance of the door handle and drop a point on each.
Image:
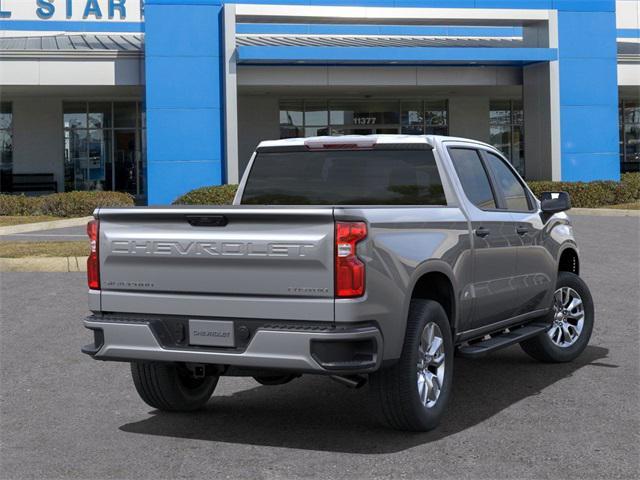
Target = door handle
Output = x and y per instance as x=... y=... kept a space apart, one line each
x=522 y=230
x=482 y=232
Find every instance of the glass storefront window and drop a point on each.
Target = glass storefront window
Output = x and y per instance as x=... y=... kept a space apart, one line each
x=506 y=130
x=291 y=119
x=364 y=113
x=630 y=136
x=500 y=112
x=99 y=115
x=362 y=117
x=124 y=114
x=436 y=113
x=412 y=113
x=104 y=147
x=316 y=114
x=501 y=138
x=75 y=115
x=6 y=146
x=412 y=117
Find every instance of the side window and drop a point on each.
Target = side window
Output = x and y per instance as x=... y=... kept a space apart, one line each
x=515 y=197
x=473 y=177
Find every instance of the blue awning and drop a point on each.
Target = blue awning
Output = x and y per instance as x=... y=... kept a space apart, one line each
x=321 y=55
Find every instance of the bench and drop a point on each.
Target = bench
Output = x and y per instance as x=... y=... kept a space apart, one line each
x=33 y=182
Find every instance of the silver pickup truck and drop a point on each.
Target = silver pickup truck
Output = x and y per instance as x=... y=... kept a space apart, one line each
x=365 y=258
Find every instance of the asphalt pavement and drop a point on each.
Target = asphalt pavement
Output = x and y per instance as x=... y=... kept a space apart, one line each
x=64 y=415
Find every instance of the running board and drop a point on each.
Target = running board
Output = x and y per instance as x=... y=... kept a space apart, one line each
x=503 y=339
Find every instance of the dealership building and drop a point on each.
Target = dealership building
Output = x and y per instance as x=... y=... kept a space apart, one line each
x=159 y=97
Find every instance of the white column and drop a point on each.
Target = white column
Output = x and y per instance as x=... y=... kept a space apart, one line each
x=541 y=99
x=230 y=95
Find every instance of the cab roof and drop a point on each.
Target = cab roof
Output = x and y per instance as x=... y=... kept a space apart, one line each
x=360 y=141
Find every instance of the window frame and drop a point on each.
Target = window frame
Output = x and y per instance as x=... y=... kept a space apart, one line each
x=484 y=167
x=625 y=165
x=502 y=203
x=512 y=124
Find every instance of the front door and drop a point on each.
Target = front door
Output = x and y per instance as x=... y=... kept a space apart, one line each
x=494 y=287
x=536 y=267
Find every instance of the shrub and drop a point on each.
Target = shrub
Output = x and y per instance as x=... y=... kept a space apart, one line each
x=78 y=204
x=631 y=186
x=594 y=194
x=68 y=204
x=19 y=205
x=218 y=195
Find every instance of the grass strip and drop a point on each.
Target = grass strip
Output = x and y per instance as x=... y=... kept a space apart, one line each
x=9 y=220
x=43 y=249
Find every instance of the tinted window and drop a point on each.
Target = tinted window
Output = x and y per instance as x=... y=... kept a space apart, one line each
x=473 y=177
x=346 y=177
x=514 y=194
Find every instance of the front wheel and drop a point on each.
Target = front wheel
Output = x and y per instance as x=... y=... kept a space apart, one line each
x=572 y=320
x=413 y=393
x=171 y=386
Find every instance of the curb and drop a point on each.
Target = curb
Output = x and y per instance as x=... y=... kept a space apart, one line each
x=604 y=212
x=44 y=264
x=36 y=227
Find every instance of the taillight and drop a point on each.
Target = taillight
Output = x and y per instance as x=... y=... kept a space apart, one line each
x=93 y=263
x=350 y=274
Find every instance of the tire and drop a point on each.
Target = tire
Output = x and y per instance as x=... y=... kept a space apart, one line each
x=568 y=336
x=170 y=387
x=269 y=380
x=399 y=390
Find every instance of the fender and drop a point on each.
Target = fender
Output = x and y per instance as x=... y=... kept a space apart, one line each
x=434 y=266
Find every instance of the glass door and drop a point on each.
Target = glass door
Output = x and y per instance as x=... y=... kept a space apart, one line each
x=104 y=147
x=126 y=164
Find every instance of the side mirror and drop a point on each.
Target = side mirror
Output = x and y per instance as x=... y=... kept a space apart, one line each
x=554 y=202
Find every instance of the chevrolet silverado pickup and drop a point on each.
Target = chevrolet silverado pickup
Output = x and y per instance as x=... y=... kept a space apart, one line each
x=365 y=258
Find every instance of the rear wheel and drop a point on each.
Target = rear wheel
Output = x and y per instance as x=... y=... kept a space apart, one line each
x=171 y=387
x=414 y=392
x=572 y=320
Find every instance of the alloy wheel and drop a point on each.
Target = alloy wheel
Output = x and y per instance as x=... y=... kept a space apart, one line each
x=431 y=364
x=568 y=317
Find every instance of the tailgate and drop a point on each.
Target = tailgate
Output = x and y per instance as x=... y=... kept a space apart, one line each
x=228 y=261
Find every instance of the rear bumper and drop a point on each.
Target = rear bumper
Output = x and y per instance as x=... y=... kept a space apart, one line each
x=332 y=350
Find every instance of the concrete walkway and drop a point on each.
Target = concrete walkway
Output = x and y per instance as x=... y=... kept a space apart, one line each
x=66 y=234
x=40 y=226
x=604 y=212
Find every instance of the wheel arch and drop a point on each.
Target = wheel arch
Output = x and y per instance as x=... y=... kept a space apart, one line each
x=436 y=282
x=569 y=260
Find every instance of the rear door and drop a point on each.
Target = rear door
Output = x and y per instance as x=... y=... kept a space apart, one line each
x=494 y=267
x=536 y=267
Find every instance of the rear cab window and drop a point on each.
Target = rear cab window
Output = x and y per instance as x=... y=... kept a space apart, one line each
x=379 y=176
